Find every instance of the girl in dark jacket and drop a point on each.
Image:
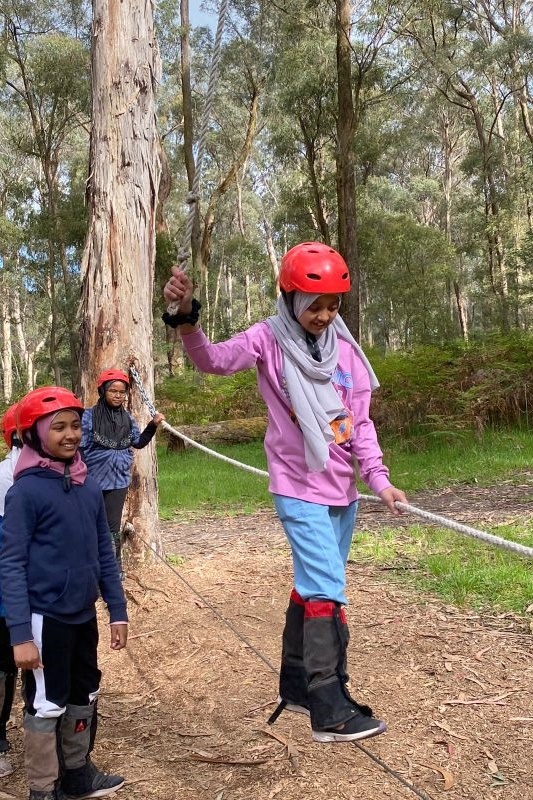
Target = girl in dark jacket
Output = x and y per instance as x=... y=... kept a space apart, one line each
x=56 y=558
x=109 y=436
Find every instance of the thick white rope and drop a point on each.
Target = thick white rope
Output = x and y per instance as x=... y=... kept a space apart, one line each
x=199 y=446
x=458 y=527
x=192 y=199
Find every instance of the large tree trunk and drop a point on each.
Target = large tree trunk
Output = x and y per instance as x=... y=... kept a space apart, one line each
x=118 y=261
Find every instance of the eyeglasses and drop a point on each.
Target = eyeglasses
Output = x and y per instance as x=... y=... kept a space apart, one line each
x=117 y=392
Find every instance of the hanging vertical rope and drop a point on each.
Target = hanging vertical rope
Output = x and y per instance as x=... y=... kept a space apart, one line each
x=184 y=251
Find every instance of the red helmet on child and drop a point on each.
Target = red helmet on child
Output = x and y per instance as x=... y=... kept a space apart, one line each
x=314 y=267
x=112 y=375
x=9 y=424
x=43 y=401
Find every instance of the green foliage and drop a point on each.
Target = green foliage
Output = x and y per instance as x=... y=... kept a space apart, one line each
x=432 y=459
x=426 y=394
x=406 y=266
x=59 y=66
x=199 y=399
x=456 y=388
x=429 y=393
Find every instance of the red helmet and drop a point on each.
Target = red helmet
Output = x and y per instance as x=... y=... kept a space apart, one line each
x=112 y=375
x=9 y=424
x=315 y=268
x=43 y=401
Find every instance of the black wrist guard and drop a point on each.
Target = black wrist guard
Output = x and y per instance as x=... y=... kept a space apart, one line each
x=183 y=319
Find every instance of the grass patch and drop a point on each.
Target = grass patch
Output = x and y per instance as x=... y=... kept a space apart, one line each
x=457 y=569
x=192 y=481
x=460 y=570
x=196 y=484
x=460 y=459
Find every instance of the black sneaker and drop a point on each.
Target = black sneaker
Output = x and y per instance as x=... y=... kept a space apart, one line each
x=358 y=727
x=88 y=781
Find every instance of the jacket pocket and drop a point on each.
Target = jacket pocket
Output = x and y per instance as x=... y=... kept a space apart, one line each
x=72 y=590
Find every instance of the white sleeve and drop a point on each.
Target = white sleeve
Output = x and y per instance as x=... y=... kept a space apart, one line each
x=6 y=475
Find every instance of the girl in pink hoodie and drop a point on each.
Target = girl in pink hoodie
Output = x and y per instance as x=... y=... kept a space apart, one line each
x=316 y=383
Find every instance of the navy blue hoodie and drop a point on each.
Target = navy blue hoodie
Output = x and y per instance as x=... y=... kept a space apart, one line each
x=56 y=553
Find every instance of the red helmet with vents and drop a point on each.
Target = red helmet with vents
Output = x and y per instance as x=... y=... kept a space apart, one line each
x=112 y=375
x=9 y=424
x=314 y=267
x=43 y=401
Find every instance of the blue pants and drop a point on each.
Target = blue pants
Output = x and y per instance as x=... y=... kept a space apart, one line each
x=320 y=537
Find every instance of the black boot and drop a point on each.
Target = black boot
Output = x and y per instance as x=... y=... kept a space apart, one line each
x=335 y=716
x=292 y=676
x=80 y=778
x=53 y=794
x=88 y=781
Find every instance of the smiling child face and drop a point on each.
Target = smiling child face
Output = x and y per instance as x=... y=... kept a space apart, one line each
x=64 y=436
x=320 y=314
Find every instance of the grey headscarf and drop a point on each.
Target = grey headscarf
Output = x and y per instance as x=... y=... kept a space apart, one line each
x=313 y=397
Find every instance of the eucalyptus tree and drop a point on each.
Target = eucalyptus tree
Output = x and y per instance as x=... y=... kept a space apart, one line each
x=462 y=50
x=229 y=140
x=47 y=88
x=119 y=255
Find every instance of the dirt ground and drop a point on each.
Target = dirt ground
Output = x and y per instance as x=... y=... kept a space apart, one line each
x=183 y=710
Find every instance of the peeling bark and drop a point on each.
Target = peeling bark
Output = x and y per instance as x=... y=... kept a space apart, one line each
x=118 y=261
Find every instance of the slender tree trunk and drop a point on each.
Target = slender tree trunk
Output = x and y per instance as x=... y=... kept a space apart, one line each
x=311 y=158
x=7 y=352
x=229 y=295
x=447 y=187
x=53 y=341
x=28 y=355
x=248 y=299
x=346 y=166
x=213 y=317
x=271 y=250
x=118 y=261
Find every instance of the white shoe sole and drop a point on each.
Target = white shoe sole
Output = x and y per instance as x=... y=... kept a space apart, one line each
x=339 y=736
x=295 y=708
x=97 y=792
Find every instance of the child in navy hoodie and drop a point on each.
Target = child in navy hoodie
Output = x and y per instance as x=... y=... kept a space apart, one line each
x=56 y=557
